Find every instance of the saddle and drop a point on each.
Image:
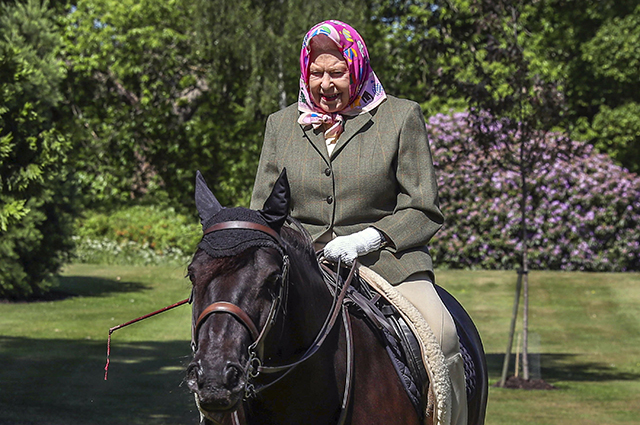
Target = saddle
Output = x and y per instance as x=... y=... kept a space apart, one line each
x=392 y=331
x=396 y=336
x=399 y=340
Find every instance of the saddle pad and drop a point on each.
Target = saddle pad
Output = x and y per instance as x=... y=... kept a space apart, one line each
x=404 y=348
x=434 y=359
x=395 y=335
x=392 y=331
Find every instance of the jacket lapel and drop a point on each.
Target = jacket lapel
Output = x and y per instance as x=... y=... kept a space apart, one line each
x=351 y=128
x=316 y=137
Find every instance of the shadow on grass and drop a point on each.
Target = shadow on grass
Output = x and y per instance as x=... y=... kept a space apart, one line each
x=57 y=381
x=565 y=367
x=88 y=286
x=61 y=382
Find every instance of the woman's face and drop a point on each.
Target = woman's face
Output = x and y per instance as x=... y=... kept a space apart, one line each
x=329 y=79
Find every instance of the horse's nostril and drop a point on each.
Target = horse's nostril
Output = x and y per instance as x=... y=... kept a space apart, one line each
x=232 y=375
x=193 y=373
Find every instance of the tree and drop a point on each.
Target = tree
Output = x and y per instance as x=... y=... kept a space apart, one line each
x=593 y=46
x=590 y=47
x=160 y=89
x=36 y=198
x=130 y=87
x=513 y=109
x=421 y=50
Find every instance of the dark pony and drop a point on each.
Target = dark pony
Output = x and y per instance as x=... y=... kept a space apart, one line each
x=270 y=345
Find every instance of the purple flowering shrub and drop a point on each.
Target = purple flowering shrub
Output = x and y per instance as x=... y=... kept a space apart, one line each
x=583 y=211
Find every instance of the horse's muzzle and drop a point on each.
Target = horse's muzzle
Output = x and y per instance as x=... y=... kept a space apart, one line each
x=214 y=417
x=216 y=390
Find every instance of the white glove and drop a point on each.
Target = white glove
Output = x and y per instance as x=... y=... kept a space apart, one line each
x=348 y=248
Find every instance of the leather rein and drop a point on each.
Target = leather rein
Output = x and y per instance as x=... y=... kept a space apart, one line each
x=254 y=366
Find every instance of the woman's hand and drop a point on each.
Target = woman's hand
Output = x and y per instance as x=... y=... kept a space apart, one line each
x=348 y=248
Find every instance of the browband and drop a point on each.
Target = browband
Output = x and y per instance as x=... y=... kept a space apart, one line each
x=246 y=225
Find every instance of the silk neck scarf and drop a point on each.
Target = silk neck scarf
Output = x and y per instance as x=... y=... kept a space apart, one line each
x=365 y=90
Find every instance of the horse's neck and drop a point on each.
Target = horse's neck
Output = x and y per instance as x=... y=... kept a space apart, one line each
x=311 y=386
x=307 y=307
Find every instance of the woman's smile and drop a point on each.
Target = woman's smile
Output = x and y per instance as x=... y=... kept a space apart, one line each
x=330 y=97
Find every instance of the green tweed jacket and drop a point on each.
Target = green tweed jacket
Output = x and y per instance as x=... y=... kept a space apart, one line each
x=380 y=174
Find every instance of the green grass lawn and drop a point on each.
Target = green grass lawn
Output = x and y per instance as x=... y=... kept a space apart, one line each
x=586 y=329
x=588 y=326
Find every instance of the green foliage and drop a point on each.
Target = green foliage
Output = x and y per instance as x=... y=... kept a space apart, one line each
x=154 y=90
x=420 y=50
x=161 y=89
x=588 y=50
x=593 y=46
x=614 y=50
x=136 y=235
x=126 y=60
x=36 y=200
x=617 y=132
x=614 y=53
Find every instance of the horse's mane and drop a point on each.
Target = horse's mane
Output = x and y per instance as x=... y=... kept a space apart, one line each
x=297 y=236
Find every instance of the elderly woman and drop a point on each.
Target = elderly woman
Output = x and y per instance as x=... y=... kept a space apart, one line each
x=361 y=176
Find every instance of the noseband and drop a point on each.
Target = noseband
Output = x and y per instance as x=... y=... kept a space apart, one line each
x=254 y=366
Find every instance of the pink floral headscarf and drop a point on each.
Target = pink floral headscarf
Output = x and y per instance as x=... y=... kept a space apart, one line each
x=365 y=90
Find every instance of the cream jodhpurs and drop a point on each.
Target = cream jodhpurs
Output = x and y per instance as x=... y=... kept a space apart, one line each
x=419 y=290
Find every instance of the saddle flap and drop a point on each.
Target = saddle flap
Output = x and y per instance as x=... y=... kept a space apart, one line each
x=394 y=334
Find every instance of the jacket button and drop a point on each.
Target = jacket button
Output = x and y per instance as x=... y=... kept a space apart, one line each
x=329 y=199
x=327 y=171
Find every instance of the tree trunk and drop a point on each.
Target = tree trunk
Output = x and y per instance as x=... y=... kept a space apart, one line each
x=525 y=268
x=525 y=322
x=512 y=330
x=282 y=98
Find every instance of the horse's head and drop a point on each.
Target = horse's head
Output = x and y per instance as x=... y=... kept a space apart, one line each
x=237 y=276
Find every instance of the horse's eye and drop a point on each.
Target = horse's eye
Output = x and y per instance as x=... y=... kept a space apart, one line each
x=191 y=277
x=273 y=279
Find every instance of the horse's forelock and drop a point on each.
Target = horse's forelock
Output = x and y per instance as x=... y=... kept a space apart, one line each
x=219 y=266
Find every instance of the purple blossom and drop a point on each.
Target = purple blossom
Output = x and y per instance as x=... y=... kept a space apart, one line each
x=584 y=213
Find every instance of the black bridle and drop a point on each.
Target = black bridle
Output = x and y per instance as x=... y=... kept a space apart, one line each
x=254 y=366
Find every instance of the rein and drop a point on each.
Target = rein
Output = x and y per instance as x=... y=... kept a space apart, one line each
x=315 y=346
x=130 y=322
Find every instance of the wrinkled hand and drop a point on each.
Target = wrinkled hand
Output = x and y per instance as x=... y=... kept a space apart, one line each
x=348 y=248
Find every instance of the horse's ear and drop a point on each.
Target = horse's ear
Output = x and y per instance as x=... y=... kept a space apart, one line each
x=276 y=207
x=206 y=202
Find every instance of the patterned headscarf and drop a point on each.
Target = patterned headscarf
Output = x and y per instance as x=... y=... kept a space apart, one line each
x=365 y=90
